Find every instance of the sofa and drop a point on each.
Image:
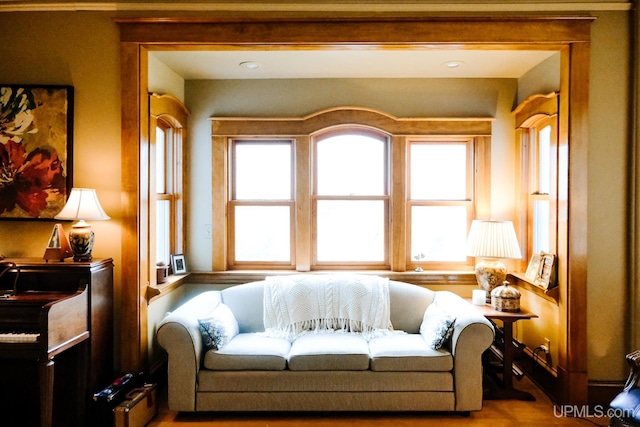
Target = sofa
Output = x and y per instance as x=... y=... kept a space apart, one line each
x=372 y=345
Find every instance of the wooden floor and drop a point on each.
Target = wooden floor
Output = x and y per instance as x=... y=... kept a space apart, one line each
x=505 y=413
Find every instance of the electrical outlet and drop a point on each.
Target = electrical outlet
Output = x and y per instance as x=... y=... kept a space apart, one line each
x=547 y=344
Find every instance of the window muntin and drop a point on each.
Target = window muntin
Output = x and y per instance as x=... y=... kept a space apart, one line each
x=351 y=198
x=261 y=202
x=440 y=200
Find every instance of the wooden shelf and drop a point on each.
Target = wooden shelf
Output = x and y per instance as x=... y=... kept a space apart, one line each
x=552 y=294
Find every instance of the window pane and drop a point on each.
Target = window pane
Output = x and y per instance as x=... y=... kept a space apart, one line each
x=263 y=171
x=160 y=161
x=544 y=148
x=163 y=230
x=262 y=233
x=438 y=172
x=350 y=231
x=439 y=232
x=540 y=226
x=351 y=165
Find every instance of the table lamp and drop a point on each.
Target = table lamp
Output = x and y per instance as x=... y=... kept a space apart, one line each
x=492 y=241
x=82 y=205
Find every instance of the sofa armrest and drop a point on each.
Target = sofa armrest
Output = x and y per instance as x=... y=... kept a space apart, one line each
x=178 y=333
x=472 y=335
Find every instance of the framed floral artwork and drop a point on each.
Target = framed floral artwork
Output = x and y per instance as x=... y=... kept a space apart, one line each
x=36 y=142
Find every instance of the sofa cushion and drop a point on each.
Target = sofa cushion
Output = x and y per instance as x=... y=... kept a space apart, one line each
x=437 y=326
x=218 y=328
x=408 y=352
x=329 y=351
x=249 y=352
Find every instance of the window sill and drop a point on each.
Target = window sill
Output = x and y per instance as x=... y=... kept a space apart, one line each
x=552 y=294
x=174 y=281
x=426 y=278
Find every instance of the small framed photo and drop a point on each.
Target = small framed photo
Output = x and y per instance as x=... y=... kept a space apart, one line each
x=178 y=264
x=542 y=270
x=547 y=277
x=533 y=270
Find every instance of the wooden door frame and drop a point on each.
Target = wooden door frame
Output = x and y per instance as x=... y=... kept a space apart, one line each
x=568 y=35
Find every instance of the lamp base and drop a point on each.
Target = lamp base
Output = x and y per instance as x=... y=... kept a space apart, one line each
x=81 y=240
x=490 y=273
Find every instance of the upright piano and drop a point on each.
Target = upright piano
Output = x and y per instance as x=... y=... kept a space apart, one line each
x=51 y=311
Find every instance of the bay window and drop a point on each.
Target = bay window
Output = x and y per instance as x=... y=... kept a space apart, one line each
x=346 y=189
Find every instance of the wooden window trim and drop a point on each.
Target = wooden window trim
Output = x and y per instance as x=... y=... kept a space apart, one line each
x=171 y=114
x=535 y=112
x=385 y=197
x=475 y=168
x=233 y=201
x=303 y=130
x=569 y=35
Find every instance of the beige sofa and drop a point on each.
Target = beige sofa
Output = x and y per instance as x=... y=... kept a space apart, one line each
x=325 y=371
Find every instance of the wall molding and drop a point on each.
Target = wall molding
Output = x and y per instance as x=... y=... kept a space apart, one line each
x=322 y=6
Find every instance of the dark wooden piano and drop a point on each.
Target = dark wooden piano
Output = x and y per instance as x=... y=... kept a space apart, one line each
x=50 y=312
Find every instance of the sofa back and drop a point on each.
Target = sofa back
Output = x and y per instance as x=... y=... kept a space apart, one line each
x=407 y=303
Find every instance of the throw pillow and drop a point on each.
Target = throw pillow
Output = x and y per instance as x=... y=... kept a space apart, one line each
x=218 y=328
x=437 y=326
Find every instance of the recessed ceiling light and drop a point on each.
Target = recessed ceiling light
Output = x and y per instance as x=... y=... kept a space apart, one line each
x=249 y=65
x=452 y=64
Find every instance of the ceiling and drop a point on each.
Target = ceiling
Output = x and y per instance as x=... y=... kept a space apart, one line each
x=351 y=63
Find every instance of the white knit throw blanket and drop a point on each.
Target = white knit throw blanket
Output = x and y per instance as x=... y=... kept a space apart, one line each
x=296 y=304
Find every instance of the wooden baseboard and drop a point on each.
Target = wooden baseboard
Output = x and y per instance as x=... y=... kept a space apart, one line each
x=599 y=393
x=603 y=392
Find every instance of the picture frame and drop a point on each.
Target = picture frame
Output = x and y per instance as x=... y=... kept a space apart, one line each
x=36 y=147
x=533 y=269
x=542 y=270
x=178 y=264
x=547 y=276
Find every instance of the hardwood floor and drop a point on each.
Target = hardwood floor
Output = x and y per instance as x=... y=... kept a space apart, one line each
x=495 y=413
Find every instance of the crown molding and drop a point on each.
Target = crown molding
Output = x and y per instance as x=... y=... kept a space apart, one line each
x=322 y=6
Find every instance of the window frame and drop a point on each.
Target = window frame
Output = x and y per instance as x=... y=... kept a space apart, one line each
x=302 y=130
x=170 y=114
x=381 y=136
x=532 y=115
x=469 y=202
x=233 y=202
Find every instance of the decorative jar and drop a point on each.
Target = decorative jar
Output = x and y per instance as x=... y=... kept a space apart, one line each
x=505 y=298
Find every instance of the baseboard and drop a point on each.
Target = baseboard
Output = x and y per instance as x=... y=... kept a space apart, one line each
x=603 y=392
x=600 y=393
x=158 y=371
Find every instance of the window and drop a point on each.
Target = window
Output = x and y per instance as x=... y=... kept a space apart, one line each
x=346 y=188
x=163 y=193
x=351 y=198
x=168 y=127
x=440 y=199
x=537 y=137
x=261 y=205
x=539 y=166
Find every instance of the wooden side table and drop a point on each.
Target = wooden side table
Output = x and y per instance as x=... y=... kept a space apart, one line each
x=507 y=392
